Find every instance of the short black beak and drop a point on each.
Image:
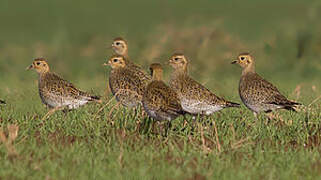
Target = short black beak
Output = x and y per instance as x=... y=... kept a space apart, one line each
x=29 y=67
x=233 y=62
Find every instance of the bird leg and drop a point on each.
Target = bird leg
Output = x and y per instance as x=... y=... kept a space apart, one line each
x=154 y=123
x=51 y=111
x=196 y=121
x=143 y=113
x=139 y=116
x=138 y=120
x=66 y=110
x=112 y=109
x=167 y=129
x=255 y=116
x=185 y=124
x=274 y=115
x=134 y=112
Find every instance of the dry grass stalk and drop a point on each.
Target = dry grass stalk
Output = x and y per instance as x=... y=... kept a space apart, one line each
x=240 y=143
x=8 y=141
x=217 y=138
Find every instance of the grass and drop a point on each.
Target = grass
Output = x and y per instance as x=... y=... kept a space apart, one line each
x=88 y=144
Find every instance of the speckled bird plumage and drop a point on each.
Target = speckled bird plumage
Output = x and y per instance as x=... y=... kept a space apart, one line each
x=126 y=83
x=120 y=47
x=257 y=93
x=159 y=100
x=56 y=92
x=194 y=97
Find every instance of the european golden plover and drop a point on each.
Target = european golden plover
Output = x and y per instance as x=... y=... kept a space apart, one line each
x=256 y=93
x=126 y=83
x=194 y=97
x=55 y=92
x=159 y=100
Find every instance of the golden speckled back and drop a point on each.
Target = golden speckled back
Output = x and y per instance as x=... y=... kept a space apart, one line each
x=128 y=85
x=260 y=95
x=55 y=92
x=194 y=97
x=161 y=102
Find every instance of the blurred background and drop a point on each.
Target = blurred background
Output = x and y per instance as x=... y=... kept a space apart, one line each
x=284 y=36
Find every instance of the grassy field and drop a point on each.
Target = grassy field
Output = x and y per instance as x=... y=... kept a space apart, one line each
x=87 y=143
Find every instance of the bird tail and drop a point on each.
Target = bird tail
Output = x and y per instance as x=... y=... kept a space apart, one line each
x=232 y=104
x=295 y=103
x=291 y=106
x=96 y=99
x=182 y=112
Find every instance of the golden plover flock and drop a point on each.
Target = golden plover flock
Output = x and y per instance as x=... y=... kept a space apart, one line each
x=132 y=87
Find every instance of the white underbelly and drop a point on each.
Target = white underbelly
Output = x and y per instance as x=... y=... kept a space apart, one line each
x=69 y=103
x=197 y=107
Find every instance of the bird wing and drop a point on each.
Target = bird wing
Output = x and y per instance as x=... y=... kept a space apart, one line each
x=269 y=93
x=139 y=71
x=201 y=93
x=172 y=102
x=165 y=99
x=62 y=87
x=126 y=79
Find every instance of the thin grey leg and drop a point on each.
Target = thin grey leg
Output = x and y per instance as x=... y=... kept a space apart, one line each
x=255 y=115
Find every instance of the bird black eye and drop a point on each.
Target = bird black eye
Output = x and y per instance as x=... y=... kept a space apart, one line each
x=242 y=58
x=38 y=63
x=115 y=60
x=117 y=43
x=176 y=59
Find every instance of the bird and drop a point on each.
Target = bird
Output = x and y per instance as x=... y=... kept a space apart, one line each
x=256 y=93
x=127 y=84
x=120 y=47
x=159 y=100
x=195 y=98
x=57 y=93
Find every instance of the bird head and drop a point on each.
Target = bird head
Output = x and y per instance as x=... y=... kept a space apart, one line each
x=178 y=61
x=40 y=65
x=244 y=60
x=116 y=61
x=120 y=46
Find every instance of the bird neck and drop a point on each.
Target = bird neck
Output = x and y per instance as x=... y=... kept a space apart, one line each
x=157 y=75
x=125 y=54
x=42 y=73
x=249 y=69
x=181 y=71
x=178 y=74
x=42 y=76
